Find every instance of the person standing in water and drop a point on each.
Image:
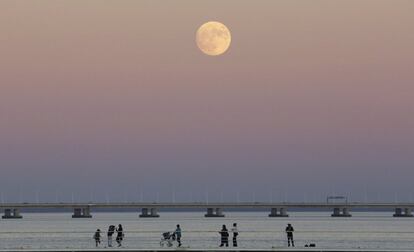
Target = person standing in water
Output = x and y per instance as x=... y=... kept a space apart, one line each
x=235 y=234
x=120 y=235
x=97 y=237
x=289 y=232
x=178 y=235
x=224 y=236
x=111 y=231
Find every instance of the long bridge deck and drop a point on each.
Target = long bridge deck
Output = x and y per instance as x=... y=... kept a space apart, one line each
x=202 y=205
x=279 y=209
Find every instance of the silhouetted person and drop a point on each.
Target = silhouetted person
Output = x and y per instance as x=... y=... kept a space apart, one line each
x=111 y=231
x=178 y=235
x=289 y=231
x=235 y=234
x=97 y=237
x=224 y=236
x=120 y=235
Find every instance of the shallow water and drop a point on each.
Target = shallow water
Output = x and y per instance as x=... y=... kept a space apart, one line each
x=59 y=230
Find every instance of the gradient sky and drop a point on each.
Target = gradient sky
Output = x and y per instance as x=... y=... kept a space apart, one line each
x=105 y=99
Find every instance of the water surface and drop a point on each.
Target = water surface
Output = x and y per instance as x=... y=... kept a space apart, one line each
x=58 y=230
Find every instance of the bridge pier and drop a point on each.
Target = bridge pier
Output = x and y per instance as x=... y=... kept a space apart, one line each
x=403 y=212
x=13 y=213
x=83 y=212
x=278 y=212
x=149 y=213
x=214 y=212
x=341 y=212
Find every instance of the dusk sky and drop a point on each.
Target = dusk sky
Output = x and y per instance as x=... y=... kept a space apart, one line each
x=105 y=99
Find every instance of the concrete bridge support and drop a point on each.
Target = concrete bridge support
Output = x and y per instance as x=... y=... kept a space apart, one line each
x=278 y=212
x=403 y=212
x=83 y=212
x=214 y=212
x=149 y=213
x=341 y=212
x=12 y=214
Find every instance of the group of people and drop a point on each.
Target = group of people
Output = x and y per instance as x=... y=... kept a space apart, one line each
x=111 y=231
x=224 y=234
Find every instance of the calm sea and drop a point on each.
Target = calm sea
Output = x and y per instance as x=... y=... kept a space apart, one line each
x=364 y=230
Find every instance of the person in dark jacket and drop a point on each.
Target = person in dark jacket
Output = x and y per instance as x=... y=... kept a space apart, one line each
x=224 y=236
x=111 y=231
x=120 y=235
x=289 y=232
x=97 y=237
x=178 y=235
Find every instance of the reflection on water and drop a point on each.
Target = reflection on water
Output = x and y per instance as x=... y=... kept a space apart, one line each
x=59 y=230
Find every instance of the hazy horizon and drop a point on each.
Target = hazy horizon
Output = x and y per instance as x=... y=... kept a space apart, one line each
x=111 y=98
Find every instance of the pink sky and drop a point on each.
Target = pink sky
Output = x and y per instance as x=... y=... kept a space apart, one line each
x=315 y=94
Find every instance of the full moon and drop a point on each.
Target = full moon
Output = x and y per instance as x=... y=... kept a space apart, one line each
x=213 y=38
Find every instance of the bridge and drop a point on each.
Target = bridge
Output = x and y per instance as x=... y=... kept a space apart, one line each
x=150 y=210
